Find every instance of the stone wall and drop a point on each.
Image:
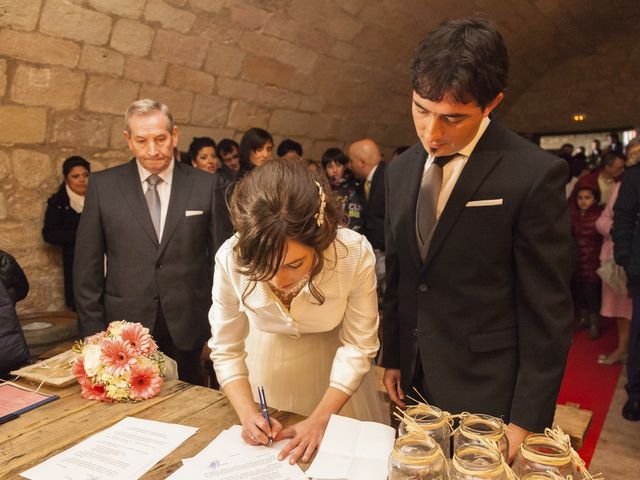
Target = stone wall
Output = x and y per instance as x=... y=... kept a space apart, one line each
x=324 y=72
x=69 y=68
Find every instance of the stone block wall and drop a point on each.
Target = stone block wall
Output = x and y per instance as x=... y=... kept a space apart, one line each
x=324 y=72
x=69 y=68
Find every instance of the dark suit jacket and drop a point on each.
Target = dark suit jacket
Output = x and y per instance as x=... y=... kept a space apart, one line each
x=60 y=226
x=490 y=307
x=141 y=274
x=626 y=238
x=374 y=208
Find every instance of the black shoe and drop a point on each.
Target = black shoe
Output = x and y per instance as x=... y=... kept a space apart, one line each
x=631 y=410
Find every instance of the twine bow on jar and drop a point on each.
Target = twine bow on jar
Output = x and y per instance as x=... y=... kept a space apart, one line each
x=426 y=420
x=559 y=436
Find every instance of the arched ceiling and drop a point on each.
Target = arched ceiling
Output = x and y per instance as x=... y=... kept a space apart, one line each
x=567 y=56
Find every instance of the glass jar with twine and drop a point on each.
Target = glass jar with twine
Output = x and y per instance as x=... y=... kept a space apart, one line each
x=550 y=452
x=417 y=457
x=427 y=419
x=477 y=462
x=481 y=429
x=544 y=476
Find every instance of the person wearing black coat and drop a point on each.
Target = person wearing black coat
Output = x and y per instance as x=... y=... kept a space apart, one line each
x=63 y=215
x=13 y=287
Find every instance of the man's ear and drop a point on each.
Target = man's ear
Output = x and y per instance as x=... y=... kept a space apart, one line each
x=493 y=104
x=175 y=135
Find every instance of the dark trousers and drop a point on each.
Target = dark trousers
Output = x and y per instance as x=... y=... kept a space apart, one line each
x=418 y=388
x=633 y=359
x=188 y=360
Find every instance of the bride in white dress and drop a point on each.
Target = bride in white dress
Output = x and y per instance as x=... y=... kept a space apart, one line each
x=294 y=309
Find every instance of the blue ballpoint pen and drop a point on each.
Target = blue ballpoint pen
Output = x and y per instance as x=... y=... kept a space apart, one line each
x=263 y=407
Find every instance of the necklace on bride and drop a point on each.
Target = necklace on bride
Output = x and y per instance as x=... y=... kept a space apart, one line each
x=287 y=295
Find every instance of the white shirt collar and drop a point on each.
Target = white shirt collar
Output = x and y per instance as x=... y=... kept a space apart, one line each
x=166 y=175
x=469 y=147
x=373 y=170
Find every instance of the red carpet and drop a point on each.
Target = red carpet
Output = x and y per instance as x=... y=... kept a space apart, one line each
x=590 y=384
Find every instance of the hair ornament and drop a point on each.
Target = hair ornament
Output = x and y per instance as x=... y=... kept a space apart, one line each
x=323 y=203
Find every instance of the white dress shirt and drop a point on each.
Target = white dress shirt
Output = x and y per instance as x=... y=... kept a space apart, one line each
x=163 y=188
x=452 y=170
x=348 y=283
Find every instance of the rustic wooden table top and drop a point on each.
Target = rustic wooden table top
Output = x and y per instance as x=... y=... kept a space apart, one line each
x=57 y=426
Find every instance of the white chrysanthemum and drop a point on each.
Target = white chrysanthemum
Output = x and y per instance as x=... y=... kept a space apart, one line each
x=91 y=355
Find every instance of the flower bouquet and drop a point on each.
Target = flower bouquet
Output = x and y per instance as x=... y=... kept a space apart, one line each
x=121 y=364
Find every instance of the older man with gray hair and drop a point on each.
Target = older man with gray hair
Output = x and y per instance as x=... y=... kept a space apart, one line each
x=153 y=220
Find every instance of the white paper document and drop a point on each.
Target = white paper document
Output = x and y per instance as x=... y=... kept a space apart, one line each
x=123 y=451
x=228 y=456
x=353 y=450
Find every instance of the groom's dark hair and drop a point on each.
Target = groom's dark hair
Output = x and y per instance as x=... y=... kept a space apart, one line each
x=466 y=59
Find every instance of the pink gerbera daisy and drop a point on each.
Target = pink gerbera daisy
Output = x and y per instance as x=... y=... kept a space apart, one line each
x=138 y=338
x=77 y=369
x=92 y=391
x=117 y=356
x=145 y=382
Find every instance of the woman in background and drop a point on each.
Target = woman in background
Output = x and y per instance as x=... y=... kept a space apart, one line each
x=202 y=154
x=614 y=305
x=63 y=215
x=256 y=148
x=345 y=186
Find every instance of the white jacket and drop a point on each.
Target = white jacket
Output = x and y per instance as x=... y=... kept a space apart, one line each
x=348 y=283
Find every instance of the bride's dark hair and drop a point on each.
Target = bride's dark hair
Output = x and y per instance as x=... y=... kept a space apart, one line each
x=281 y=200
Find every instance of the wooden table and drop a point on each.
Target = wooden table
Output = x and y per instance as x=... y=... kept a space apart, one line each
x=52 y=428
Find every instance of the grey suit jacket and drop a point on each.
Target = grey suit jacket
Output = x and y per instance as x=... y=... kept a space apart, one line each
x=489 y=309
x=141 y=273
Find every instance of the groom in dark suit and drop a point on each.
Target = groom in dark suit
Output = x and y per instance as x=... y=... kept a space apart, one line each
x=153 y=220
x=477 y=307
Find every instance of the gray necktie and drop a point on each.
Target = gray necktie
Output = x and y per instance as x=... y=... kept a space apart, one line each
x=153 y=201
x=426 y=217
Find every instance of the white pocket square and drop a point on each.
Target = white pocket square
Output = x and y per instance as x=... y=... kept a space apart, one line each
x=484 y=203
x=192 y=213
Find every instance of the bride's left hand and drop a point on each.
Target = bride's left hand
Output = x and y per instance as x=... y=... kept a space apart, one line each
x=305 y=439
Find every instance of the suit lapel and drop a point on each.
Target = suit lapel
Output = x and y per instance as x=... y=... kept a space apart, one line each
x=181 y=185
x=377 y=181
x=131 y=189
x=414 y=175
x=479 y=165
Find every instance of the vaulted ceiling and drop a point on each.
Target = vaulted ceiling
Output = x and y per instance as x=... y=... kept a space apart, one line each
x=567 y=56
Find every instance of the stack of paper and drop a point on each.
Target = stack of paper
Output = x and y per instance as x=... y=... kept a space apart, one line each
x=353 y=450
x=228 y=456
x=124 y=451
